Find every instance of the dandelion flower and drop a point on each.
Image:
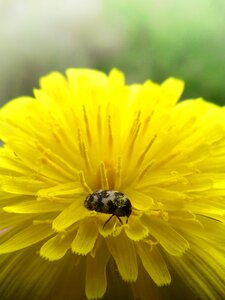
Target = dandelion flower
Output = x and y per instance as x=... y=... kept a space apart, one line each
x=89 y=147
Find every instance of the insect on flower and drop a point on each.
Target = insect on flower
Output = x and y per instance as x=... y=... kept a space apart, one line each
x=109 y=202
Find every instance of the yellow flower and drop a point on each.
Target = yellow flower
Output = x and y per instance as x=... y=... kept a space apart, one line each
x=87 y=133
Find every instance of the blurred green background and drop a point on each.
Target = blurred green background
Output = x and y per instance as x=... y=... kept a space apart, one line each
x=146 y=39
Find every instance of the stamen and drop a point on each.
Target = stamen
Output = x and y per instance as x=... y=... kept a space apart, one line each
x=146 y=122
x=110 y=135
x=160 y=214
x=141 y=158
x=64 y=141
x=49 y=158
x=168 y=158
x=99 y=121
x=132 y=141
x=146 y=169
x=83 y=149
x=135 y=124
x=88 y=131
x=118 y=174
x=135 y=129
x=103 y=175
x=84 y=183
x=79 y=141
x=55 y=132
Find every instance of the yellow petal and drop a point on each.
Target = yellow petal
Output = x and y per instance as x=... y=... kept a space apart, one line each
x=109 y=228
x=21 y=185
x=116 y=78
x=172 y=200
x=154 y=263
x=213 y=230
x=83 y=78
x=46 y=161
x=123 y=252
x=170 y=240
x=56 y=247
x=10 y=163
x=11 y=109
x=86 y=237
x=139 y=200
x=8 y=220
x=95 y=282
x=34 y=207
x=24 y=262
x=144 y=287
x=11 y=199
x=214 y=208
x=70 y=215
x=55 y=86
x=189 y=225
x=64 y=189
x=203 y=269
x=171 y=90
x=29 y=236
x=135 y=229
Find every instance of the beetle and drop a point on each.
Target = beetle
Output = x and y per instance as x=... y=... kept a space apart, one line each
x=109 y=202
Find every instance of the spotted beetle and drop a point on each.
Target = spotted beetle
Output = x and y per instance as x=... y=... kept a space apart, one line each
x=109 y=202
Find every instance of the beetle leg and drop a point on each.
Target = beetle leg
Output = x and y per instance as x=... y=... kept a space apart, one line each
x=119 y=220
x=108 y=220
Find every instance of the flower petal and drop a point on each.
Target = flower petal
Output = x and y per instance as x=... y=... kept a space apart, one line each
x=109 y=228
x=35 y=206
x=171 y=200
x=8 y=220
x=95 y=283
x=203 y=269
x=21 y=185
x=213 y=230
x=154 y=263
x=24 y=262
x=69 y=188
x=144 y=287
x=135 y=229
x=122 y=250
x=171 y=240
x=10 y=165
x=10 y=110
x=56 y=280
x=27 y=237
x=86 y=237
x=171 y=90
x=56 y=247
x=73 y=213
x=139 y=200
